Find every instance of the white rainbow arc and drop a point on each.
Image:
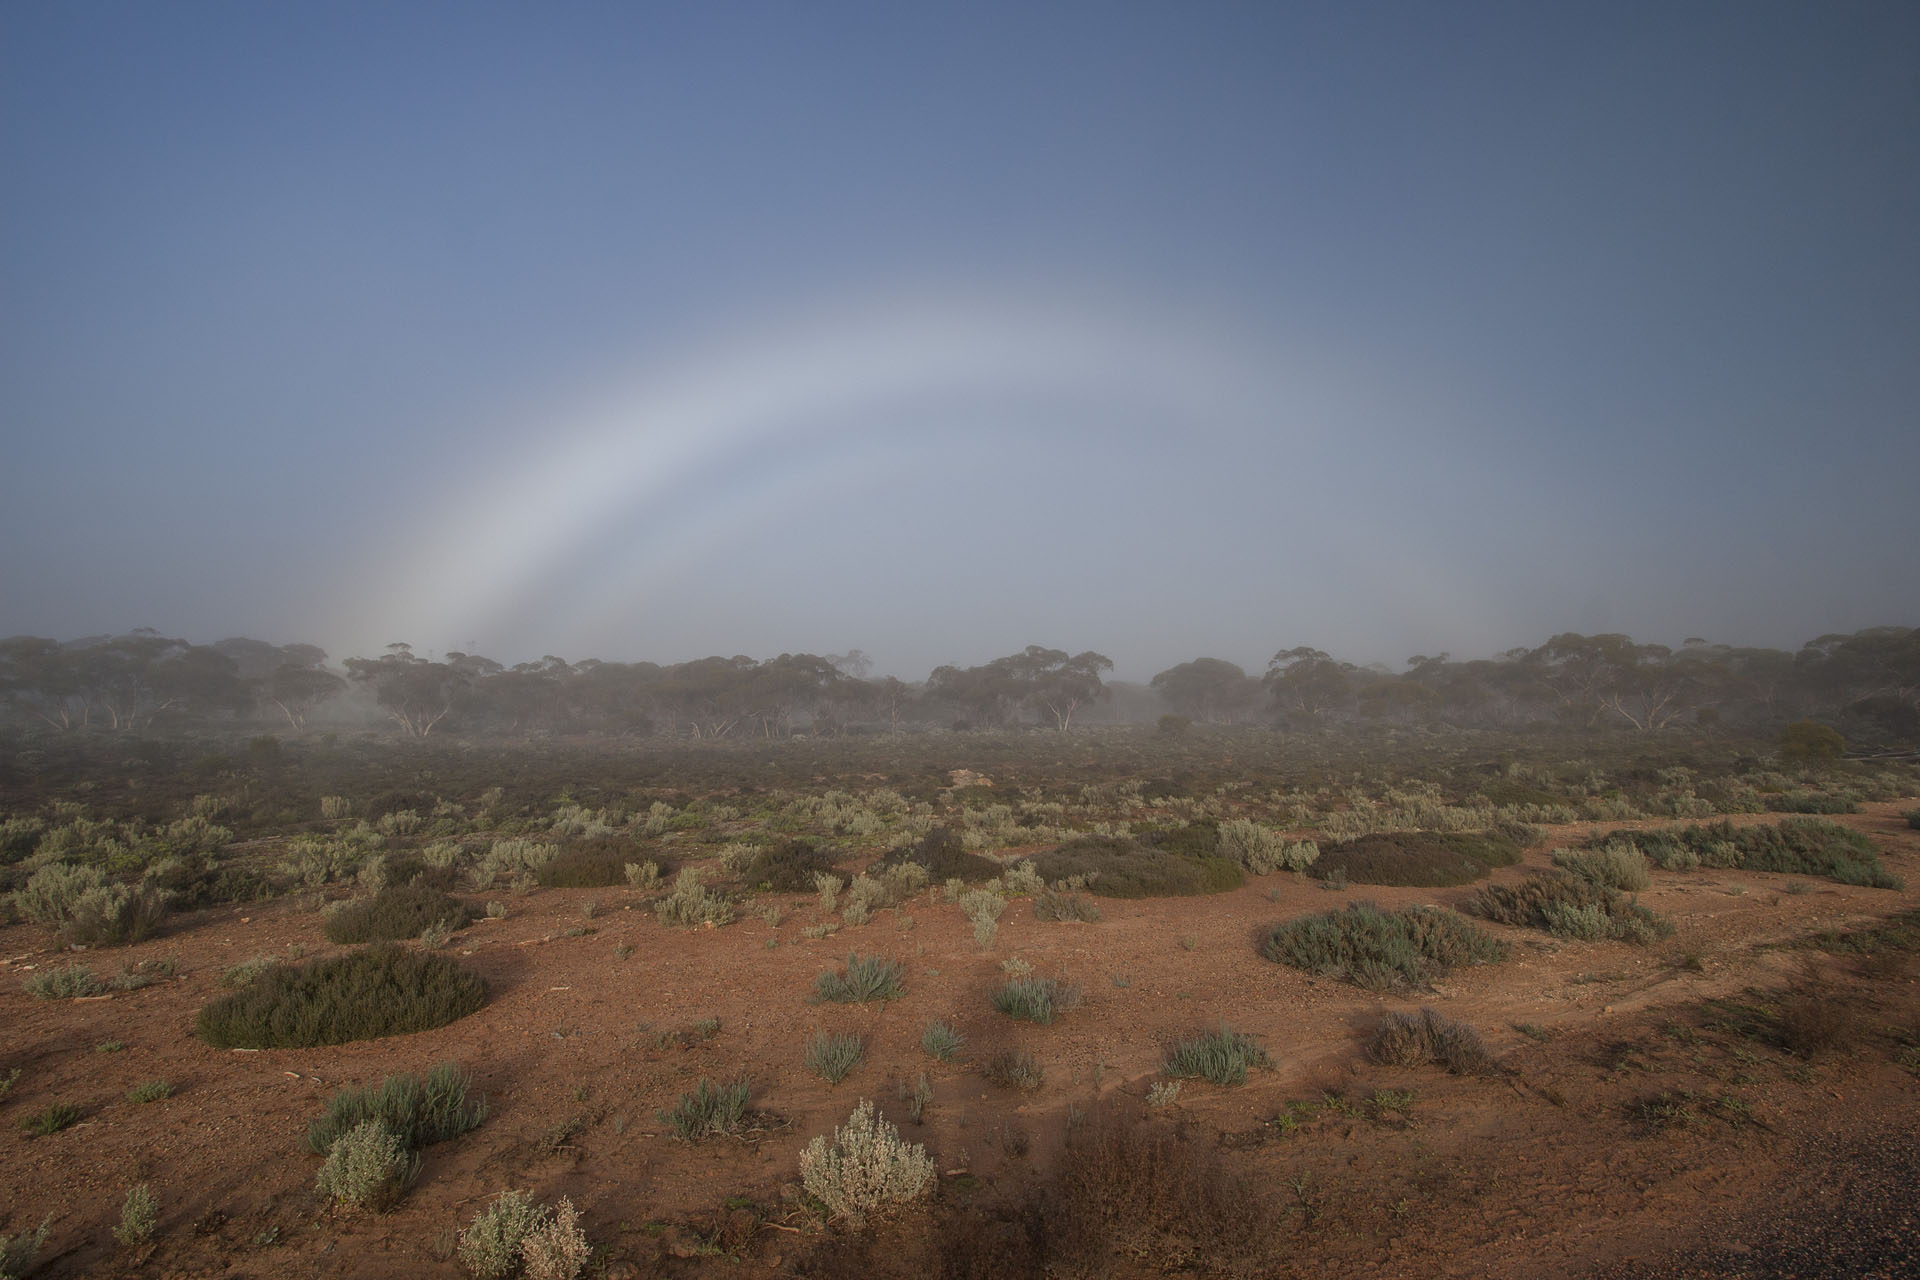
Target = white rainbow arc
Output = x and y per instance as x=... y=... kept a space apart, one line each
x=476 y=561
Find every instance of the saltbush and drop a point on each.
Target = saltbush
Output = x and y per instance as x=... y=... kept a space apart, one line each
x=1416 y=1039
x=368 y=1167
x=865 y=1168
x=1420 y=859
x=395 y=912
x=1118 y=867
x=1221 y=1057
x=1377 y=949
x=1033 y=999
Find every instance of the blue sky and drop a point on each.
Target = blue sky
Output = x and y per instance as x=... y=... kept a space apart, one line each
x=650 y=331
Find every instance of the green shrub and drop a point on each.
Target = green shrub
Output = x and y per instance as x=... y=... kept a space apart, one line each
x=421 y=1112
x=1014 y=1069
x=1221 y=1057
x=384 y=990
x=591 y=864
x=70 y=982
x=396 y=912
x=1416 y=1039
x=18 y=1254
x=139 y=1214
x=1795 y=846
x=368 y=1167
x=710 y=1111
x=490 y=1246
x=51 y=1119
x=1811 y=802
x=787 y=867
x=114 y=915
x=49 y=894
x=865 y=1168
x=943 y=855
x=151 y=1091
x=1032 y=999
x=1809 y=740
x=1117 y=867
x=832 y=1056
x=1612 y=866
x=1058 y=905
x=1378 y=949
x=1913 y=818
x=941 y=1042
x=1420 y=859
x=1570 y=906
x=866 y=978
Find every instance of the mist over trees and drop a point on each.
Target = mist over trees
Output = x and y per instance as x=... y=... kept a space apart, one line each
x=1867 y=684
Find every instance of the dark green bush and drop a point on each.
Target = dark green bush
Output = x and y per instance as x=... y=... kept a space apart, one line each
x=396 y=912
x=1795 y=846
x=866 y=978
x=1058 y=905
x=787 y=867
x=831 y=1056
x=1378 y=949
x=1199 y=839
x=1913 y=818
x=1116 y=867
x=1811 y=802
x=1569 y=906
x=592 y=864
x=1421 y=859
x=385 y=990
x=945 y=858
x=1221 y=1056
x=421 y=1112
x=51 y=1119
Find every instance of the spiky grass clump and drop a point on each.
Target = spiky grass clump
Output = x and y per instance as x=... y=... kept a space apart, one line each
x=1062 y=905
x=421 y=1112
x=1379 y=949
x=397 y=911
x=1612 y=866
x=51 y=1119
x=1221 y=1056
x=866 y=978
x=710 y=1111
x=1032 y=999
x=833 y=1056
x=1416 y=1039
x=941 y=1042
x=1014 y=1069
x=384 y=990
x=70 y=982
x=865 y=1168
x=151 y=1091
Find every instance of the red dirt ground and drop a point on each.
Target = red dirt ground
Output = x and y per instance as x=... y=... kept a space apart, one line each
x=1546 y=1170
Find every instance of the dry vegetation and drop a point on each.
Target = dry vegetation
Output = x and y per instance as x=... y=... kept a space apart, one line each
x=1102 y=1004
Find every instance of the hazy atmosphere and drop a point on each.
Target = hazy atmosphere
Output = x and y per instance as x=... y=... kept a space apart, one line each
x=651 y=332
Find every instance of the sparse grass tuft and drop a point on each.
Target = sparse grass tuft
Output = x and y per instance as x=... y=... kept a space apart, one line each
x=833 y=1056
x=1031 y=999
x=866 y=978
x=151 y=1091
x=710 y=1111
x=51 y=1119
x=1378 y=949
x=941 y=1042
x=1221 y=1057
x=1014 y=1069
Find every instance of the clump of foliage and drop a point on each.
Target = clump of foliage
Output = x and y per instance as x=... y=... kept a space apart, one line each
x=1064 y=905
x=1014 y=1069
x=514 y=1236
x=1221 y=1057
x=589 y=864
x=1794 y=846
x=941 y=1042
x=1420 y=859
x=1570 y=906
x=397 y=911
x=368 y=1167
x=1118 y=867
x=865 y=978
x=384 y=990
x=51 y=1119
x=151 y=1091
x=1612 y=866
x=1809 y=741
x=692 y=903
x=1262 y=850
x=1379 y=949
x=18 y=1254
x=865 y=1168
x=69 y=982
x=1416 y=1039
x=787 y=867
x=833 y=1056
x=944 y=856
x=421 y=1112
x=710 y=1111
x=89 y=910
x=139 y=1215
x=1027 y=998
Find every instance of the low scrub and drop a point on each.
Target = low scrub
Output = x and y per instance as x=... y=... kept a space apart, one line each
x=1570 y=906
x=865 y=1169
x=1117 y=867
x=1014 y=1069
x=421 y=1111
x=515 y=1236
x=787 y=867
x=1418 y=859
x=1416 y=1039
x=865 y=978
x=941 y=1042
x=1064 y=905
x=384 y=990
x=397 y=911
x=1379 y=949
x=833 y=1056
x=1221 y=1057
x=590 y=864
x=710 y=1111
x=1033 y=999
x=1795 y=846
x=691 y=903
x=943 y=855
x=1611 y=866
x=368 y=1167
x=69 y=982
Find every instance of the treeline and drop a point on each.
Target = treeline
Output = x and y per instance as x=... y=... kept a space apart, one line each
x=1866 y=683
